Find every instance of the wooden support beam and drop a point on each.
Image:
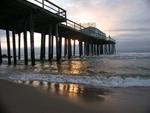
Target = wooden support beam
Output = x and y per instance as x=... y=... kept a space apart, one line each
x=105 y=49
x=101 y=49
x=60 y=46
x=69 y=49
x=65 y=47
x=25 y=44
x=97 y=49
x=88 y=49
x=50 y=48
x=42 y=57
x=32 y=39
x=8 y=47
x=90 y=52
x=0 y=53
x=80 y=49
x=92 y=49
x=14 y=46
x=108 y=49
x=19 y=44
x=85 y=48
x=58 y=41
x=74 y=47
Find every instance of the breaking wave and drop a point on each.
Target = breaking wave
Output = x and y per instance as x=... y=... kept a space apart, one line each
x=96 y=81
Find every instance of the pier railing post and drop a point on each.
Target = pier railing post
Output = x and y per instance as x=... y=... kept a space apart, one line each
x=8 y=46
x=43 y=3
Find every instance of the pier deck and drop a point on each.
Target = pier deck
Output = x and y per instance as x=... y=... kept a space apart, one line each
x=42 y=16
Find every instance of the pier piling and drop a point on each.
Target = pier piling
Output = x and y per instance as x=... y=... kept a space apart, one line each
x=65 y=47
x=74 y=47
x=80 y=49
x=14 y=46
x=19 y=44
x=25 y=44
x=97 y=49
x=101 y=49
x=42 y=56
x=50 y=47
x=8 y=47
x=69 y=48
x=32 y=39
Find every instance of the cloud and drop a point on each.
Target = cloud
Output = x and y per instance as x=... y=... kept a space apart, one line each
x=122 y=19
x=130 y=30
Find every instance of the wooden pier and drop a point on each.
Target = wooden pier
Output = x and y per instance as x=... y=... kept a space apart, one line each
x=46 y=18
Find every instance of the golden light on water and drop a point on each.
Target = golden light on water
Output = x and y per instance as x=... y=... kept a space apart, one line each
x=74 y=67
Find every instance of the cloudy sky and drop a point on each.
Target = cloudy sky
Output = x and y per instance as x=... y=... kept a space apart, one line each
x=127 y=21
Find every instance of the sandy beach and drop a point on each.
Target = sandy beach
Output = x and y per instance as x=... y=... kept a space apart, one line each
x=16 y=98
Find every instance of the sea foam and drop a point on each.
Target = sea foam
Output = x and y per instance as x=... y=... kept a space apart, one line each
x=96 y=81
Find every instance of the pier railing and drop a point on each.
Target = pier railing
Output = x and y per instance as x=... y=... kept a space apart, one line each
x=81 y=28
x=49 y=6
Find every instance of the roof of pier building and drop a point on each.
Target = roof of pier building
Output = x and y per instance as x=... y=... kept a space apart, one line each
x=93 y=31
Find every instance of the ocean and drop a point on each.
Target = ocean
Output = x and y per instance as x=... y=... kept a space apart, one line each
x=117 y=83
x=119 y=70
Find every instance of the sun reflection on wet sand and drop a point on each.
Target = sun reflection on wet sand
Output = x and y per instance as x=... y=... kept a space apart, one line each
x=74 y=92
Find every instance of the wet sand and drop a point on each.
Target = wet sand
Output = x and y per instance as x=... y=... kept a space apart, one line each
x=41 y=97
x=18 y=98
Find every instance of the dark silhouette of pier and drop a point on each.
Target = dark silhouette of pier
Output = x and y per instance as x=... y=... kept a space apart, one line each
x=42 y=16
